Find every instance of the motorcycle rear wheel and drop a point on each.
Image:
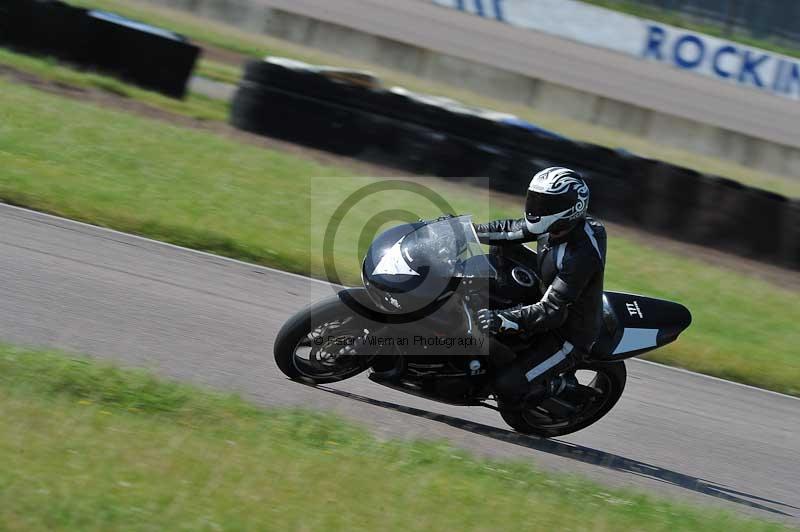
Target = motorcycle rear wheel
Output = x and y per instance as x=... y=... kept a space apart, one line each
x=312 y=346
x=608 y=383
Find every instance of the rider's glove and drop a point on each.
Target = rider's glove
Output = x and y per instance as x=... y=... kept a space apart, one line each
x=497 y=321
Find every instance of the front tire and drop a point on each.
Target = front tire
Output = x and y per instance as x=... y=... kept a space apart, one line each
x=609 y=379
x=302 y=356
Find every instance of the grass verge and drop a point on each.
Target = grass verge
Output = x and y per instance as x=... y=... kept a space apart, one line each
x=217 y=71
x=194 y=105
x=87 y=446
x=227 y=37
x=197 y=189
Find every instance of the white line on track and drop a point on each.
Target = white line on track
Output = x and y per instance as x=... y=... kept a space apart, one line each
x=166 y=244
x=734 y=383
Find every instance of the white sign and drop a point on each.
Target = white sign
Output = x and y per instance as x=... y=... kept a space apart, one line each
x=724 y=60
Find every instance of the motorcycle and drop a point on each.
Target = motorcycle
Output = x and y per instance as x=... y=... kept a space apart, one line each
x=412 y=325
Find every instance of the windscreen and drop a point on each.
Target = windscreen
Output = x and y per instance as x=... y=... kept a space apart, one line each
x=447 y=246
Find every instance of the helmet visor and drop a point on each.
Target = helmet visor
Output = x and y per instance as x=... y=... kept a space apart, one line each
x=539 y=204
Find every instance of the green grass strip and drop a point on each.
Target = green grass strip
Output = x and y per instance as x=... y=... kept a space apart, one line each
x=88 y=446
x=48 y=69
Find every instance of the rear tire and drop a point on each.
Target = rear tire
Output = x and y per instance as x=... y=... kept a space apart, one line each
x=298 y=329
x=615 y=376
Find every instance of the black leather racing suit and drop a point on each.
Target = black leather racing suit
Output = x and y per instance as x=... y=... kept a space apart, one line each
x=570 y=312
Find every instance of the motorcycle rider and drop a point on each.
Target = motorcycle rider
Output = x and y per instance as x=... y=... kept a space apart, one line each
x=570 y=261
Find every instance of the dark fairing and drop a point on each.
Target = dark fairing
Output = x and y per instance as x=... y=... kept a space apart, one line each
x=413 y=266
x=634 y=324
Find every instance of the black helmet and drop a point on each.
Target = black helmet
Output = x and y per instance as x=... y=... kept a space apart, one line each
x=557 y=200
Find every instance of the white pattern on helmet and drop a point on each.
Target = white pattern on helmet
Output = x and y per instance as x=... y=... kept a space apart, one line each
x=557 y=180
x=544 y=222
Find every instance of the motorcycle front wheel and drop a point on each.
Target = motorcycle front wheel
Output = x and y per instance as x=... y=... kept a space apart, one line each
x=319 y=344
x=600 y=387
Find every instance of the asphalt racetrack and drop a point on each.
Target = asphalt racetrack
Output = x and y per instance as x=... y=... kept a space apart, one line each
x=211 y=320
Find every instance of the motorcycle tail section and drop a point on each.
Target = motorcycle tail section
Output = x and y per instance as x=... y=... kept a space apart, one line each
x=635 y=324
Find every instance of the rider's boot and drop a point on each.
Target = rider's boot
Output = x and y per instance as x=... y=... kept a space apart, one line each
x=514 y=387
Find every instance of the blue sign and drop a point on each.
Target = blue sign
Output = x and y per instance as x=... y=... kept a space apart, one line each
x=724 y=60
x=484 y=8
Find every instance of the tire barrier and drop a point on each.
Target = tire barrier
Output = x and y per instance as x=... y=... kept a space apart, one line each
x=762 y=227
x=145 y=55
x=714 y=217
x=671 y=188
x=274 y=112
x=401 y=145
x=350 y=113
x=616 y=188
x=150 y=57
x=45 y=27
x=790 y=244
